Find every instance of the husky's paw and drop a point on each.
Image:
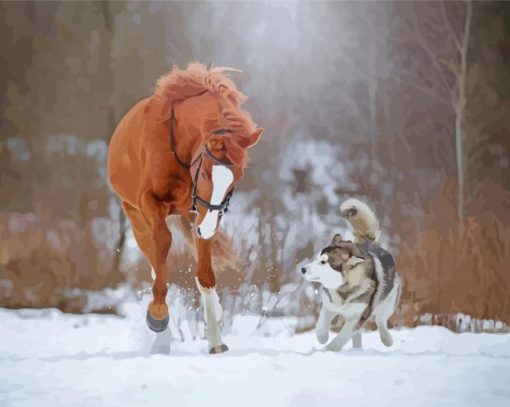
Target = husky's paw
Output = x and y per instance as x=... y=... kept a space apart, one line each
x=322 y=336
x=386 y=337
x=329 y=348
x=332 y=347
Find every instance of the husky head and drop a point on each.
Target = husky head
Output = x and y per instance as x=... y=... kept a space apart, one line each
x=331 y=264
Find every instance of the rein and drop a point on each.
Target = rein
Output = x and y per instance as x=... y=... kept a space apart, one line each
x=195 y=198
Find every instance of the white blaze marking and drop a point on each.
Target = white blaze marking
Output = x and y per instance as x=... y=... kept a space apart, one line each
x=222 y=177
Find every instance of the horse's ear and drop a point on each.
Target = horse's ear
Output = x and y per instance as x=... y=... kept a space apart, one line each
x=252 y=139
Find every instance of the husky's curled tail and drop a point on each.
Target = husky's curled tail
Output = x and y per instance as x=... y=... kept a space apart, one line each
x=362 y=221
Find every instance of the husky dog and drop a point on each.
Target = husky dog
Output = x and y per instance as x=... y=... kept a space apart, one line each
x=358 y=278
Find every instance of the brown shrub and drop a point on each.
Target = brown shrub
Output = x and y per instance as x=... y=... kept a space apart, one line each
x=42 y=260
x=463 y=270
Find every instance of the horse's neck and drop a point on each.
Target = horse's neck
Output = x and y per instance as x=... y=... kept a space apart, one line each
x=186 y=147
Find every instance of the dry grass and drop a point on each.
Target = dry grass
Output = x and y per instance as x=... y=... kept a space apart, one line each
x=462 y=271
x=43 y=260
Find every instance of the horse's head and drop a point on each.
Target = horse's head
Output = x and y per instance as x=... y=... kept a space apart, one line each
x=206 y=104
x=217 y=169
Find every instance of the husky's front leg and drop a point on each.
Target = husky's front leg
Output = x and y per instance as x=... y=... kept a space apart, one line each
x=323 y=324
x=352 y=316
x=356 y=340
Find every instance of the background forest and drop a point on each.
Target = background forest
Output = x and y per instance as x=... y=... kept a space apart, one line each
x=403 y=104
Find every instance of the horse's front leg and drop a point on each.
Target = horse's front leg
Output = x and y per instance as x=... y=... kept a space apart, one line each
x=206 y=283
x=155 y=242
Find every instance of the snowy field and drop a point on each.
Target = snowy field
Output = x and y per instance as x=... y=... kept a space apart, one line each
x=52 y=359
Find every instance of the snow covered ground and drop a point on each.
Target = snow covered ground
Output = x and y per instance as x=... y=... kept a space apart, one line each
x=52 y=359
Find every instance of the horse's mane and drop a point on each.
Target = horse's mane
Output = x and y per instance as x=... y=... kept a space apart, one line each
x=196 y=79
x=180 y=84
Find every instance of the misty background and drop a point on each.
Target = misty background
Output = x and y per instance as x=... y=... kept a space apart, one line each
x=405 y=105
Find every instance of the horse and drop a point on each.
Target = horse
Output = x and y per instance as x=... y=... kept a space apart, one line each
x=181 y=151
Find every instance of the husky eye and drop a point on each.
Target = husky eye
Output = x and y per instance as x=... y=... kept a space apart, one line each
x=323 y=261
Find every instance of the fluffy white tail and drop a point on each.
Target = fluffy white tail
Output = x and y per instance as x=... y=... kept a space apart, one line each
x=362 y=220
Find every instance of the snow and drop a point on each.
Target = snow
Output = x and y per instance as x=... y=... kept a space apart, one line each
x=51 y=358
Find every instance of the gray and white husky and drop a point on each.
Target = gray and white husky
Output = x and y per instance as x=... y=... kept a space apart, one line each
x=358 y=279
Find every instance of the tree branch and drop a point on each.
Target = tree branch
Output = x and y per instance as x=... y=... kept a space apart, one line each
x=432 y=93
x=450 y=65
x=449 y=26
x=426 y=48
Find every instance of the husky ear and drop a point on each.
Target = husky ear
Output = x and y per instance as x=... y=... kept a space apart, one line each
x=354 y=261
x=337 y=239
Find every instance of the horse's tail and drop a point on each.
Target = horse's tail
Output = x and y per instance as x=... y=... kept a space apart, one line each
x=362 y=220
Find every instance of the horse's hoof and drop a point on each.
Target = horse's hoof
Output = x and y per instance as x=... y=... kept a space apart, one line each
x=157 y=325
x=218 y=349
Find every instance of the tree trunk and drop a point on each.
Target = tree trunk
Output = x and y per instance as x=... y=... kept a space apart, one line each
x=108 y=15
x=119 y=247
x=459 y=111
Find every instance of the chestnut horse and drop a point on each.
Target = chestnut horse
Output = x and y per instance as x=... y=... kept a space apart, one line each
x=184 y=147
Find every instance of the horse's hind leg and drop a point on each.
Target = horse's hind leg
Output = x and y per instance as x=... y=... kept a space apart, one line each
x=206 y=283
x=154 y=239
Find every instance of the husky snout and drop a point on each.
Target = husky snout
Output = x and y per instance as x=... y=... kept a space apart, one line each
x=320 y=271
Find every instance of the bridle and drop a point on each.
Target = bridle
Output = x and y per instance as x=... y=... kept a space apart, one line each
x=195 y=199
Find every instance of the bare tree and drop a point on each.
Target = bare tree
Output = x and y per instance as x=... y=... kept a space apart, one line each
x=449 y=62
x=457 y=65
x=108 y=15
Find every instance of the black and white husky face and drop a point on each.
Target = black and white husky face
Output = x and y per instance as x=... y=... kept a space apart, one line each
x=320 y=270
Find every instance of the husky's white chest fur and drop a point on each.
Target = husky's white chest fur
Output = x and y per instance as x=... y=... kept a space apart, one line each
x=333 y=302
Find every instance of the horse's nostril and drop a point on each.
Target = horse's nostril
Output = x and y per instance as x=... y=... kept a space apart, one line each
x=303 y=270
x=198 y=232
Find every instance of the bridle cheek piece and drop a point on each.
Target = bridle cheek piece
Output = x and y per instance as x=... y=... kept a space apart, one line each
x=195 y=198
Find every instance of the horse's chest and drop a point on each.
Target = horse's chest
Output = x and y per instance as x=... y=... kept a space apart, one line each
x=173 y=190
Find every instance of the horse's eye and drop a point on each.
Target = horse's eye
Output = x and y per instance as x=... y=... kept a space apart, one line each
x=323 y=261
x=221 y=131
